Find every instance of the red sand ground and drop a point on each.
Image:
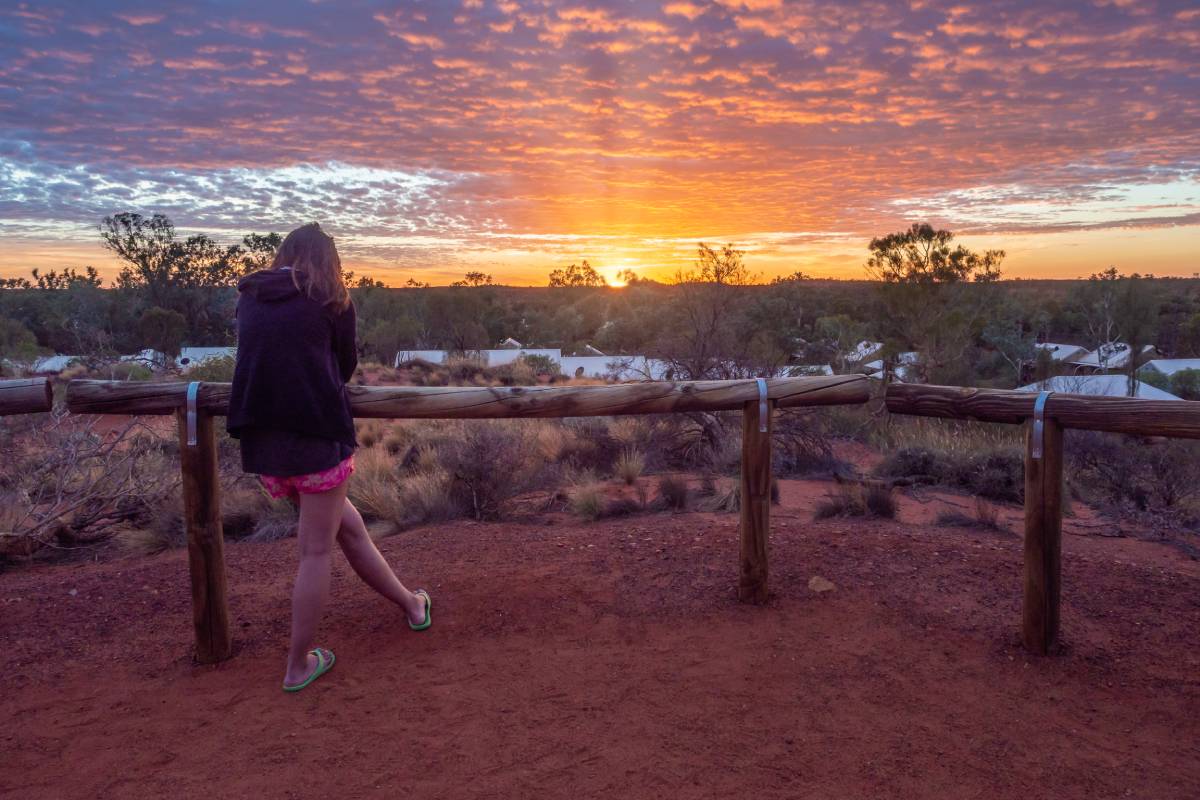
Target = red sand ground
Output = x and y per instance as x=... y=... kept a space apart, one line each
x=611 y=659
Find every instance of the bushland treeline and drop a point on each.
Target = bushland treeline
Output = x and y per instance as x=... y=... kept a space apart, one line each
x=716 y=319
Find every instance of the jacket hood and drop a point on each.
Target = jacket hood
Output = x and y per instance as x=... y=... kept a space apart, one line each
x=269 y=285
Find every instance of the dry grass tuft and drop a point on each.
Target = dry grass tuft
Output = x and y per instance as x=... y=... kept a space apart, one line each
x=858 y=500
x=630 y=465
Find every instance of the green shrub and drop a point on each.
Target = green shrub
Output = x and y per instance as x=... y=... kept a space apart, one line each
x=673 y=492
x=996 y=473
x=630 y=465
x=858 y=500
x=213 y=370
x=541 y=364
x=587 y=501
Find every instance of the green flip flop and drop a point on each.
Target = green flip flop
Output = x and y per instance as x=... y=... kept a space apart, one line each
x=325 y=659
x=428 y=612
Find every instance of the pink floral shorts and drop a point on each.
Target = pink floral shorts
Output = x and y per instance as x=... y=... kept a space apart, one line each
x=313 y=483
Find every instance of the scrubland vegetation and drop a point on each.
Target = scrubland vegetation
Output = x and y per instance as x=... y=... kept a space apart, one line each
x=78 y=483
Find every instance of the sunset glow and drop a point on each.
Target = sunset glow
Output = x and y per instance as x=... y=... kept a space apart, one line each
x=518 y=136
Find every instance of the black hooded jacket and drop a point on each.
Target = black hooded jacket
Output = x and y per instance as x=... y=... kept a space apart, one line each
x=294 y=358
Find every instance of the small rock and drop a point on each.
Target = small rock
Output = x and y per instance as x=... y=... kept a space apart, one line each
x=819 y=584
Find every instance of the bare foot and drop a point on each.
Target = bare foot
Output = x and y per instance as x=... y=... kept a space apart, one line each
x=417 y=614
x=296 y=677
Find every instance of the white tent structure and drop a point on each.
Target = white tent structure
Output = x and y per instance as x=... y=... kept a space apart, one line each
x=1062 y=352
x=193 y=356
x=432 y=356
x=1110 y=355
x=1097 y=385
x=1169 y=366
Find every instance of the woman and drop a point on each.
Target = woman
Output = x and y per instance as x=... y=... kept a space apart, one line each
x=290 y=410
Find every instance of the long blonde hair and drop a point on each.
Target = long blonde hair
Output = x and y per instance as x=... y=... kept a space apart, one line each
x=310 y=252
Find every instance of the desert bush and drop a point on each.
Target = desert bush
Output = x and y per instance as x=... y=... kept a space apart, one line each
x=541 y=364
x=247 y=513
x=590 y=445
x=369 y=432
x=998 y=474
x=397 y=439
x=427 y=497
x=216 y=370
x=71 y=483
x=375 y=486
x=489 y=463
x=986 y=517
x=857 y=500
x=587 y=501
x=673 y=492
x=800 y=445
x=630 y=465
x=1137 y=475
x=622 y=507
x=123 y=371
x=728 y=497
x=515 y=373
x=465 y=371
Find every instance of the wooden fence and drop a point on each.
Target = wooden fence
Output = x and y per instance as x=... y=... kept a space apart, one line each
x=196 y=404
x=1046 y=415
x=25 y=396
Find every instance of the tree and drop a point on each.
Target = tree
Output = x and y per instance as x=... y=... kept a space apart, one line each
x=259 y=251
x=1120 y=308
x=839 y=333
x=724 y=266
x=930 y=300
x=163 y=330
x=474 y=279
x=706 y=334
x=795 y=277
x=69 y=277
x=157 y=261
x=576 y=275
x=16 y=341
x=1006 y=332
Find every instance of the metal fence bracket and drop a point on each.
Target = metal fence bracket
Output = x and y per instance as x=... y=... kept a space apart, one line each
x=1039 y=425
x=193 y=394
x=763 y=408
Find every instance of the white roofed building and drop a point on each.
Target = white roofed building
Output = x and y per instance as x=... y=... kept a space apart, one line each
x=1061 y=352
x=193 y=356
x=1169 y=366
x=1097 y=385
x=1108 y=356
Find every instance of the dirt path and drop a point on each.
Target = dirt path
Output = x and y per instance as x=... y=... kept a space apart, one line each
x=584 y=661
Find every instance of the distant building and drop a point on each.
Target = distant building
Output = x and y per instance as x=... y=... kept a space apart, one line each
x=807 y=370
x=1061 y=352
x=862 y=351
x=1108 y=356
x=1169 y=366
x=1097 y=385
x=194 y=356
x=432 y=356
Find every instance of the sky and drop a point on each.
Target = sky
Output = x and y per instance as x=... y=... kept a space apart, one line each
x=514 y=137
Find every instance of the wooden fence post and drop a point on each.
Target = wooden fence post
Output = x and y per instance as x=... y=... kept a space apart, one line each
x=755 y=501
x=206 y=558
x=1043 y=536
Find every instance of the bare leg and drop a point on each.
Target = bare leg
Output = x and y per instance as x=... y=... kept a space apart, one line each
x=370 y=565
x=320 y=516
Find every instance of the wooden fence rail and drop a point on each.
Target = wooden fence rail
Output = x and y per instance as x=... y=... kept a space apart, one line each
x=1044 y=466
x=25 y=396
x=757 y=400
